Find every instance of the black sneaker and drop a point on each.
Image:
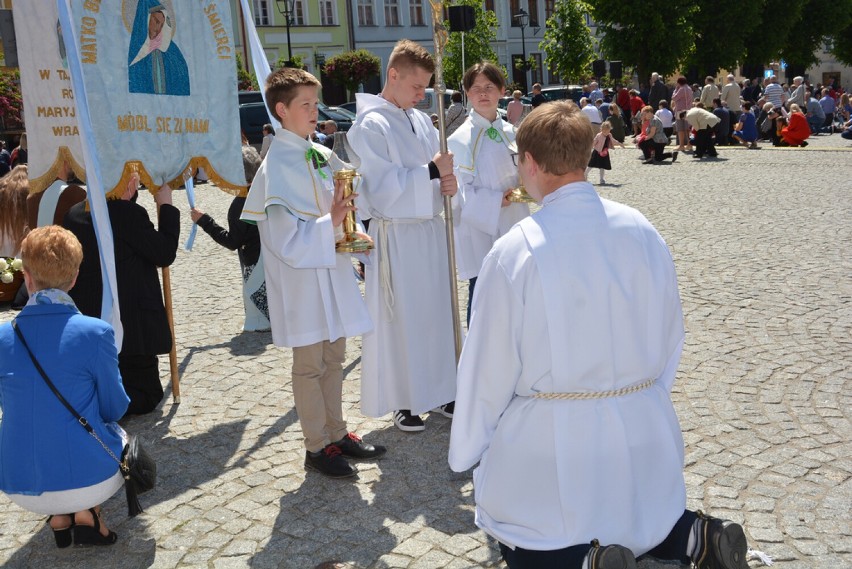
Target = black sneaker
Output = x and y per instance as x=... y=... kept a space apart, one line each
x=405 y=421
x=674 y=156
x=353 y=447
x=610 y=557
x=721 y=544
x=446 y=409
x=330 y=462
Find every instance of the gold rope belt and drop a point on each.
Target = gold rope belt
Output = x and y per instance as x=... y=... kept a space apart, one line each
x=598 y=394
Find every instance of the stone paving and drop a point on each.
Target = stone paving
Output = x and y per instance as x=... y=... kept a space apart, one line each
x=758 y=238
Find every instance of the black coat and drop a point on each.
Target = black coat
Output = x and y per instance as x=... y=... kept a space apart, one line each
x=139 y=249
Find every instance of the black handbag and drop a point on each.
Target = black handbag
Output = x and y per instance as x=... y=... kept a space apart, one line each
x=137 y=467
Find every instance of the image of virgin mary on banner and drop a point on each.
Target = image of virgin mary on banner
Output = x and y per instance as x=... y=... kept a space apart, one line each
x=156 y=64
x=160 y=76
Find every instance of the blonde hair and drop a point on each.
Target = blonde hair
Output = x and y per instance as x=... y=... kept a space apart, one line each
x=563 y=121
x=407 y=55
x=517 y=94
x=794 y=108
x=14 y=189
x=52 y=257
x=282 y=85
x=606 y=125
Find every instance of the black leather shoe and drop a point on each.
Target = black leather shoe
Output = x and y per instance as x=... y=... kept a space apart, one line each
x=610 y=557
x=723 y=544
x=353 y=447
x=330 y=462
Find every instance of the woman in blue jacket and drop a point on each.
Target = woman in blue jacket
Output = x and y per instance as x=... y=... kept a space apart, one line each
x=49 y=464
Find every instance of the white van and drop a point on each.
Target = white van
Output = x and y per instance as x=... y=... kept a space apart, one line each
x=429 y=104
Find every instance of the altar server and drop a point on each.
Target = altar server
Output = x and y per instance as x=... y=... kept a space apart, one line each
x=565 y=378
x=314 y=301
x=485 y=166
x=408 y=362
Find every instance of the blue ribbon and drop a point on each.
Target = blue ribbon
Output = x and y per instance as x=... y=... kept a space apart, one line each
x=190 y=195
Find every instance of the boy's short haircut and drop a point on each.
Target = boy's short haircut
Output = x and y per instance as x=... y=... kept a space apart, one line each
x=559 y=120
x=407 y=55
x=663 y=105
x=52 y=256
x=282 y=84
x=491 y=72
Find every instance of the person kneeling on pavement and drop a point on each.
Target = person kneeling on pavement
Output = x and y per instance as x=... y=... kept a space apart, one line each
x=543 y=368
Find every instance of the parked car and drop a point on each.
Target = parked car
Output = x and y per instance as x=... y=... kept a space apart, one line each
x=560 y=92
x=254 y=115
x=503 y=103
x=429 y=104
x=350 y=106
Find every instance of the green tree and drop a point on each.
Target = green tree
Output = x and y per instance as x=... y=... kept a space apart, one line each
x=568 y=44
x=716 y=46
x=818 y=22
x=842 y=45
x=655 y=35
x=246 y=81
x=298 y=62
x=477 y=43
x=352 y=68
x=765 y=43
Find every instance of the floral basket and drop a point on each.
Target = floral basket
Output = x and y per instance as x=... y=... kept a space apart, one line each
x=11 y=278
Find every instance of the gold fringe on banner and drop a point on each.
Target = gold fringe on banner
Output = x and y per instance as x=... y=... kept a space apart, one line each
x=63 y=154
x=136 y=167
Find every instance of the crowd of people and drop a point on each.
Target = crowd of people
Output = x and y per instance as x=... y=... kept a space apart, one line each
x=534 y=348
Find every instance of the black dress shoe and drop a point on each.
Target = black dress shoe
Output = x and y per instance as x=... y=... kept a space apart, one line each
x=722 y=544
x=610 y=557
x=353 y=447
x=330 y=462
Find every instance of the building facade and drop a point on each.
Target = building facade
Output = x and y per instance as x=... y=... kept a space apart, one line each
x=318 y=30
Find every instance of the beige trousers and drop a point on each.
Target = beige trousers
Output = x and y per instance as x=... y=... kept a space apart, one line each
x=317 y=390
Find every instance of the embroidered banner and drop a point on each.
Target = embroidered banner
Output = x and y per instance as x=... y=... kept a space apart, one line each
x=49 y=111
x=161 y=78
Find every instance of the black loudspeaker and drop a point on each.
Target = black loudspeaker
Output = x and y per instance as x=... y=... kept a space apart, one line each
x=615 y=69
x=599 y=68
x=462 y=18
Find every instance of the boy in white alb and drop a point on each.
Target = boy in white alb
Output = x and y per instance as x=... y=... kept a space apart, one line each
x=483 y=152
x=565 y=378
x=409 y=361
x=314 y=301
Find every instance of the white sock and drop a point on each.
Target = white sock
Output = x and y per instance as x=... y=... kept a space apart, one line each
x=694 y=543
x=586 y=561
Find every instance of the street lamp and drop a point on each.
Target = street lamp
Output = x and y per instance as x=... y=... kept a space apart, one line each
x=286 y=9
x=523 y=20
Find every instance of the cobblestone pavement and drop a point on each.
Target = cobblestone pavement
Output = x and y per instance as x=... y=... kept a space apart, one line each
x=758 y=239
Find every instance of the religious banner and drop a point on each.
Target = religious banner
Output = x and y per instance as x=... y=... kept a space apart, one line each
x=160 y=78
x=49 y=112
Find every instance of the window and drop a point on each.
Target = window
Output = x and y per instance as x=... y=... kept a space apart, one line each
x=366 y=15
x=300 y=13
x=532 y=8
x=549 y=9
x=552 y=77
x=391 y=12
x=489 y=5
x=327 y=15
x=415 y=12
x=514 y=8
x=537 y=75
x=261 y=12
